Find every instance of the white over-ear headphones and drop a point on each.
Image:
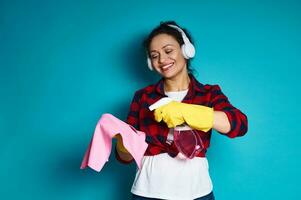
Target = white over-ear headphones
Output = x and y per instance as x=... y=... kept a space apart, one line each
x=187 y=48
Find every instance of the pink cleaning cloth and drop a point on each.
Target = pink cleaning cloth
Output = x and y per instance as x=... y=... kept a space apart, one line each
x=100 y=146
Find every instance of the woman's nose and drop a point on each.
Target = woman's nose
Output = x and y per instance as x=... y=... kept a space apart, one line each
x=162 y=58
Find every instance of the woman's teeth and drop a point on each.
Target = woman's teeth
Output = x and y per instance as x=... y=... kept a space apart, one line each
x=167 y=66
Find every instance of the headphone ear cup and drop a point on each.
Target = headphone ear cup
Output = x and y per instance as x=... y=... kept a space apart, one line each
x=188 y=50
x=149 y=64
x=183 y=48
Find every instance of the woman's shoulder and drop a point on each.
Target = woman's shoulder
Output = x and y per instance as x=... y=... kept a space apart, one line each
x=145 y=90
x=204 y=87
x=213 y=90
x=207 y=88
x=211 y=87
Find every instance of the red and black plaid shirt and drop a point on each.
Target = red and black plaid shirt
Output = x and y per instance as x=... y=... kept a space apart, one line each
x=142 y=118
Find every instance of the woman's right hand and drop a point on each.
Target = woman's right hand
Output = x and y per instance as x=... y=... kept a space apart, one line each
x=119 y=144
x=121 y=150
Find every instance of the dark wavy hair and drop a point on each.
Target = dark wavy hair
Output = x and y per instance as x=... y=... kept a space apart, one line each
x=164 y=28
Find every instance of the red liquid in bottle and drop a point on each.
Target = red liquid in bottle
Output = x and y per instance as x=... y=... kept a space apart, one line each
x=188 y=142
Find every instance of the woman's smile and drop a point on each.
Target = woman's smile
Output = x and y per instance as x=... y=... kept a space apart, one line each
x=166 y=66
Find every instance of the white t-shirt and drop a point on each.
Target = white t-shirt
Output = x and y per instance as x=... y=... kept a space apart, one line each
x=164 y=177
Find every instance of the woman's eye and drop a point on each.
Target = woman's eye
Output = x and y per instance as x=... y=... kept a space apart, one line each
x=154 y=56
x=168 y=51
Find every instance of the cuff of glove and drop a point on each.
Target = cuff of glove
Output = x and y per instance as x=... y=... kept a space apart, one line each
x=119 y=144
x=120 y=147
x=202 y=120
x=120 y=159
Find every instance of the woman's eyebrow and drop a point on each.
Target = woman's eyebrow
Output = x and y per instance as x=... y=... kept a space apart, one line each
x=162 y=47
x=167 y=45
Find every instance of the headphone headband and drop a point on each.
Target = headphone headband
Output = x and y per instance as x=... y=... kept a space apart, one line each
x=185 y=38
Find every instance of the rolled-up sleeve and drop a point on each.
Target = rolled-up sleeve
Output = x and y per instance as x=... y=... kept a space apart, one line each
x=238 y=120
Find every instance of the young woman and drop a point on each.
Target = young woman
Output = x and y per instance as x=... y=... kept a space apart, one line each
x=164 y=175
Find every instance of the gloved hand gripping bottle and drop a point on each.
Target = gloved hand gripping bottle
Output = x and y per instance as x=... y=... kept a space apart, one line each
x=187 y=141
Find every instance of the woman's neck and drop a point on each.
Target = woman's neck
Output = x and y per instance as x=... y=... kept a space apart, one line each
x=177 y=83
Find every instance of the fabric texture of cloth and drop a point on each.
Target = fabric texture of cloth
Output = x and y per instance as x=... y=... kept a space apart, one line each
x=99 y=149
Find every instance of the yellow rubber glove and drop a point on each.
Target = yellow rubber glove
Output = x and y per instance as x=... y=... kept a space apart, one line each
x=119 y=144
x=176 y=113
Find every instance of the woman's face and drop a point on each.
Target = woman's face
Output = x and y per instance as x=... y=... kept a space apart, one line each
x=166 y=56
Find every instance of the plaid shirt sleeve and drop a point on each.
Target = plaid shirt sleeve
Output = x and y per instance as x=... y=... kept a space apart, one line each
x=133 y=114
x=238 y=120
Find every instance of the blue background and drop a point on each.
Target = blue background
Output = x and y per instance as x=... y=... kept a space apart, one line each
x=64 y=63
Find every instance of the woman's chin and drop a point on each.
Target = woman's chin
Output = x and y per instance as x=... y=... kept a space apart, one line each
x=168 y=73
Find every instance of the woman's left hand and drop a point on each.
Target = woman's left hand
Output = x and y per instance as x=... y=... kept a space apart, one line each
x=170 y=113
x=176 y=113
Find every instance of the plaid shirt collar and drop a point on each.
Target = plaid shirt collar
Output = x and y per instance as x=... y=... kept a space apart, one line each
x=194 y=86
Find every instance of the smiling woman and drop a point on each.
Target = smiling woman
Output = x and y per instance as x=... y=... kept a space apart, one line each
x=165 y=174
